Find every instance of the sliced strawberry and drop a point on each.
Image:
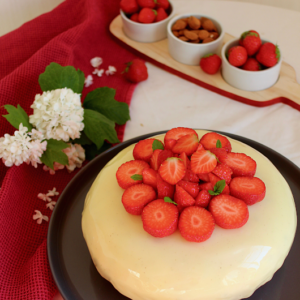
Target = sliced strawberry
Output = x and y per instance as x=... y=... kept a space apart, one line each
x=203 y=162
x=219 y=152
x=187 y=143
x=185 y=159
x=249 y=189
x=200 y=147
x=136 y=197
x=209 y=141
x=191 y=187
x=177 y=133
x=214 y=179
x=206 y=186
x=127 y=170
x=182 y=197
x=163 y=155
x=229 y=212
x=196 y=224
x=240 y=164
x=143 y=149
x=160 y=218
x=169 y=144
x=189 y=175
x=164 y=189
x=154 y=163
x=223 y=172
x=204 y=177
x=150 y=177
x=172 y=170
x=203 y=198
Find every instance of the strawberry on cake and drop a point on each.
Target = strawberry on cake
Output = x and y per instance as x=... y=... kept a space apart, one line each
x=189 y=215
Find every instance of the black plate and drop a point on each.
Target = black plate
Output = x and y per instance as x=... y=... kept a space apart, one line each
x=72 y=266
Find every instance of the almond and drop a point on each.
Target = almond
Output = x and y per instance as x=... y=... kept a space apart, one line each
x=203 y=34
x=195 y=41
x=207 y=40
x=209 y=25
x=179 y=25
x=194 y=23
x=214 y=35
x=190 y=35
x=176 y=33
x=183 y=38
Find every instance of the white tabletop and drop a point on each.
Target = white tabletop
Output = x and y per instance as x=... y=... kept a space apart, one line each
x=164 y=100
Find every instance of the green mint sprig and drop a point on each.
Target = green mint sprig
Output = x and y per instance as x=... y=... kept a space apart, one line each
x=218 y=188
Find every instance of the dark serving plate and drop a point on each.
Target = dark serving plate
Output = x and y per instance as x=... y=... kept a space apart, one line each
x=72 y=266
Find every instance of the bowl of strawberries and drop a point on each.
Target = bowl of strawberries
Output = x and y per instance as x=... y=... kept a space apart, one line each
x=251 y=63
x=146 y=20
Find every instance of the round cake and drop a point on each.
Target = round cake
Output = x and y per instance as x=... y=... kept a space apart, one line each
x=230 y=265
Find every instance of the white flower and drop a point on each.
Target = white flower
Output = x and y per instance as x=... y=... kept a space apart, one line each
x=96 y=62
x=56 y=166
x=36 y=151
x=51 y=205
x=99 y=73
x=53 y=192
x=44 y=197
x=88 y=81
x=58 y=114
x=111 y=70
x=39 y=217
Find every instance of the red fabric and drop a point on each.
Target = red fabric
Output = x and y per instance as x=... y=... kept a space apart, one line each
x=71 y=34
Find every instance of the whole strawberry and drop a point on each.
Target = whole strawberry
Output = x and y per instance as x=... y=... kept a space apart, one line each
x=136 y=71
x=268 y=54
x=147 y=15
x=210 y=63
x=161 y=15
x=146 y=3
x=129 y=6
x=162 y=3
x=237 y=56
x=252 y=43
x=244 y=34
x=252 y=65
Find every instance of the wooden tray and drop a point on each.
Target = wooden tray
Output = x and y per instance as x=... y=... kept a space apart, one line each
x=286 y=90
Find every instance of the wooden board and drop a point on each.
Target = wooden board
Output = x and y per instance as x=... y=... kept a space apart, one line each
x=286 y=90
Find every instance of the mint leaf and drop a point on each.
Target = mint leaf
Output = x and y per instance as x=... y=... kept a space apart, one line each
x=98 y=128
x=102 y=100
x=16 y=116
x=169 y=200
x=157 y=145
x=54 y=153
x=219 y=144
x=91 y=151
x=137 y=177
x=218 y=188
x=58 y=77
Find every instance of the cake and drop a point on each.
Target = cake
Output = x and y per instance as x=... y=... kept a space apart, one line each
x=230 y=265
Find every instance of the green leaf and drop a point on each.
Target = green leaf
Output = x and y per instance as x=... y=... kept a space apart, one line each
x=219 y=144
x=218 y=188
x=16 y=116
x=137 y=177
x=99 y=128
x=91 y=151
x=54 y=153
x=102 y=100
x=83 y=140
x=169 y=200
x=157 y=145
x=58 y=77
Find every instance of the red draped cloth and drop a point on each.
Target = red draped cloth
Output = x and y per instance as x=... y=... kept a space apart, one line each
x=71 y=34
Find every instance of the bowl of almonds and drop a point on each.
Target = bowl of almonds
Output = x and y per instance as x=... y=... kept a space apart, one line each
x=191 y=36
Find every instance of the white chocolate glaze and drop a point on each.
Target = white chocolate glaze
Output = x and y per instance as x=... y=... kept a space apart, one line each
x=230 y=265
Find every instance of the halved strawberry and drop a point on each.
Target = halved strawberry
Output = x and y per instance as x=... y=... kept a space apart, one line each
x=187 y=143
x=163 y=155
x=203 y=198
x=240 y=164
x=154 y=163
x=203 y=162
x=209 y=141
x=249 y=189
x=172 y=170
x=164 y=189
x=143 y=149
x=150 y=177
x=169 y=144
x=189 y=175
x=196 y=224
x=136 y=197
x=191 y=187
x=223 y=172
x=177 y=133
x=204 y=177
x=185 y=159
x=200 y=147
x=182 y=197
x=219 y=152
x=160 y=218
x=214 y=180
x=127 y=170
x=229 y=212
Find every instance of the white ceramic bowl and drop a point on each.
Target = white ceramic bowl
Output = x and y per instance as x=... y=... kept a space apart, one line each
x=146 y=33
x=189 y=53
x=248 y=80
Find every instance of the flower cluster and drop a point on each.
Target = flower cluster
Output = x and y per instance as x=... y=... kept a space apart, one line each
x=22 y=147
x=58 y=114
